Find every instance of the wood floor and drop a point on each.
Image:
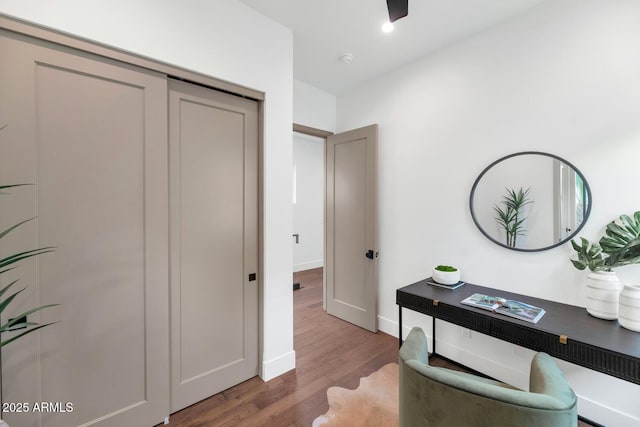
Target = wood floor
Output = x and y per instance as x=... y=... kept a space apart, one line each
x=329 y=352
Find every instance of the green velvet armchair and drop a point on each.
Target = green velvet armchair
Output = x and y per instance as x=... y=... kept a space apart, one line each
x=432 y=396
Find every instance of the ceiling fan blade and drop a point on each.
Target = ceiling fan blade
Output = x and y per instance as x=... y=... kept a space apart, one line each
x=397 y=9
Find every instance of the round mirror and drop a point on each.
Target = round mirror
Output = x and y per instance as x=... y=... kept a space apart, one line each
x=530 y=201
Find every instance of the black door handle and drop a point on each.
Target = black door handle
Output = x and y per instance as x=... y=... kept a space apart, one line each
x=369 y=254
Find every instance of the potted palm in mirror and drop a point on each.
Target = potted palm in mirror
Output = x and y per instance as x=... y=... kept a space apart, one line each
x=510 y=218
x=618 y=247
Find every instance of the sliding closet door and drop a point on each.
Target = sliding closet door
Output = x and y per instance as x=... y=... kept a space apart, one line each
x=214 y=247
x=91 y=135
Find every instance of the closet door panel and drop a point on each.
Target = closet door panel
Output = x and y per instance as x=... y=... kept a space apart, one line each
x=92 y=137
x=214 y=305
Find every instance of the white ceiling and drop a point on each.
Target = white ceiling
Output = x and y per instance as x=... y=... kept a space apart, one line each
x=325 y=29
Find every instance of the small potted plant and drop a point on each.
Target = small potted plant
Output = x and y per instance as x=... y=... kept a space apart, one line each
x=618 y=247
x=446 y=275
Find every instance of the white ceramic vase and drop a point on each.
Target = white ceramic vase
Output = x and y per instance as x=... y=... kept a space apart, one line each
x=603 y=290
x=629 y=308
x=446 y=277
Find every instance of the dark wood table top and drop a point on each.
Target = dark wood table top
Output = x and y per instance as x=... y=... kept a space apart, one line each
x=560 y=319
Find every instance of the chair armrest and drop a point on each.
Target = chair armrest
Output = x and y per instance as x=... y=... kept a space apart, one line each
x=547 y=378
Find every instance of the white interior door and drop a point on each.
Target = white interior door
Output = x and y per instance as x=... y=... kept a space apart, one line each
x=351 y=226
x=214 y=246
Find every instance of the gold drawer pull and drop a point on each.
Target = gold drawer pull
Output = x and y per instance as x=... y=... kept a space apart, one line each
x=563 y=339
x=435 y=302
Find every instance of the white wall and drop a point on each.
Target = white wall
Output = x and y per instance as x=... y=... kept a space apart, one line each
x=308 y=209
x=313 y=107
x=227 y=40
x=562 y=78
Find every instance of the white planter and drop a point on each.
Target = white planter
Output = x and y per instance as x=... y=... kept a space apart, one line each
x=629 y=308
x=603 y=290
x=446 y=277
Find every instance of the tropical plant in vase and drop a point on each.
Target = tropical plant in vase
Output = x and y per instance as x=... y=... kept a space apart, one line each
x=510 y=217
x=619 y=246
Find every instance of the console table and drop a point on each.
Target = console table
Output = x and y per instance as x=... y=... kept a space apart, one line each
x=565 y=331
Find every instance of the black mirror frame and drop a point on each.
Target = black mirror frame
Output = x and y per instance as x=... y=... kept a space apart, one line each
x=563 y=241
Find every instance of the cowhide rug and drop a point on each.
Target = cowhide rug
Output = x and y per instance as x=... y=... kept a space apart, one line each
x=373 y=403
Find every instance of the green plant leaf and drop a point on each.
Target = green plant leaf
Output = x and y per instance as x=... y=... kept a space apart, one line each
x=505 y=217
x=589 y=255
x=594 y=250
x=8 y=300
x=629 y=254
x=617 y=236
x=8 y=269
x=618 y=233
x=8 y=263
x=575 y=246
x=6 y=288
x=3 y=343
x=579 y=265
x=620 y=244
x=510 y=219
x=630 y=224
x=11 y=259
x=15 y=319
x=2 y=187
x=10 y=229
x=516 y=200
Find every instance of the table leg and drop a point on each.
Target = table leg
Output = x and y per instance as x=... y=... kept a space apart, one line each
x=399 y=326
x=433 y=334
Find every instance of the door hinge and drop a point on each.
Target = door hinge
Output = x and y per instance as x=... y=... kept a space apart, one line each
x=252 y=277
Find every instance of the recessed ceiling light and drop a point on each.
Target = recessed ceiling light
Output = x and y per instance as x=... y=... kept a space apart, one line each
x=387 y=27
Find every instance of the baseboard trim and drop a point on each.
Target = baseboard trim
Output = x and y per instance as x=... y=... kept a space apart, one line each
x=388 y=326
x=308 y=265
x=278 y=366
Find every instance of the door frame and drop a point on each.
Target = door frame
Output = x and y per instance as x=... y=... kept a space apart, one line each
x=323 y=134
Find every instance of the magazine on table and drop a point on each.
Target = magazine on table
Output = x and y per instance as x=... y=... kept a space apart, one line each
x=517 y=309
